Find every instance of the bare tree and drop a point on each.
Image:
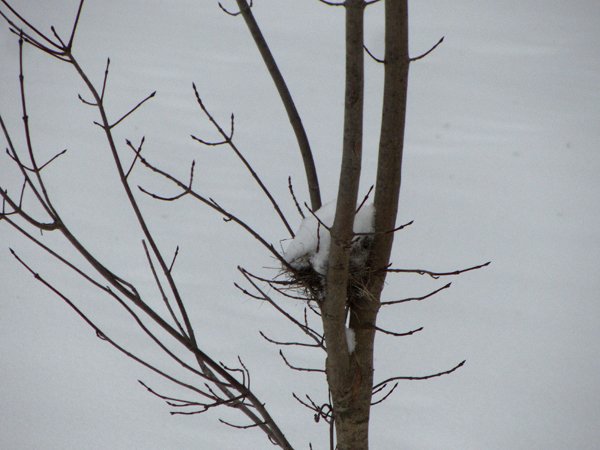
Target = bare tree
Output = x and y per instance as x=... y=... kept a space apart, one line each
x=342 y=295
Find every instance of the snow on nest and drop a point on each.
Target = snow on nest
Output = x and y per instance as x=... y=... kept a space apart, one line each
x=310 y=247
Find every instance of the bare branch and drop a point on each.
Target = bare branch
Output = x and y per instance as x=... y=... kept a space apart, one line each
x=104 y=80
x=137 y=152
x=174 y=258
x=392 y=333
x=300 y=369
x=288 y=103
x=162 y=291
x=98 y=331
x=416 y=58
x=70 y=45
x=365 y=198
x=426 y=377
x=244 y=427
x=291 y=189
x=57 y=36
x=243 y=160
x=312 y=213
x=410 y=299
x=227 y=140
x=382 y=399
x=25 y=22
x=172 y=401
x=185 y=192
x=438 y=274
x=86 y=102
x=233 y=14
x=305 y=329
x=373 y=57
x=46 y=226
x=374 y=233
x=299 y=344
x=132 y=110
x=328 y=3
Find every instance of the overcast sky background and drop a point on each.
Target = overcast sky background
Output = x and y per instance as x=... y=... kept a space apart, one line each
x=501 y=163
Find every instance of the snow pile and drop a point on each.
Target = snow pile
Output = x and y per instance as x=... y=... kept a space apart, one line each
x=310 y=247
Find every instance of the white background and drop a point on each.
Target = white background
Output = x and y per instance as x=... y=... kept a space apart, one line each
x=501 y=163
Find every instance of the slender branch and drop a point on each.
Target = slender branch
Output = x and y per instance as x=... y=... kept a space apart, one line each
x=45 y=202
x=242 y=158
x=162 y=291
x=416 y=58
x=392 y=333
x=299 y=344
x=328 y=3
x=365 y=198
x=438 y=274
x=212 y=204
x=58 y=155
x=74 y=29
x=137 y=152
x=86 y=102
x=97 y=330
x=174 y=258
x=306 y=329
x=227 y=140
x=314 y=214
x=300 y=369
x=393 y=230
x=132 y=110
x=46 y=226
x=288 y=103
x=426 y=377
x=373 y=57
x=382 y=399
x=291 y=189
x=243 y=427
x=210 y=369
x=105 y=79
x=56 y=35
x=410 y=299
x=25 y=22
x=233 y=14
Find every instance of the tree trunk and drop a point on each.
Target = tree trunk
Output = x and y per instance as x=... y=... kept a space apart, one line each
x=391 y=140
x=350 y=375
x=351 y=410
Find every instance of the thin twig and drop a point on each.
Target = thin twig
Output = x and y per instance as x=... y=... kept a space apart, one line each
x=426 y=377
x=299 y=344
x=174 y=258
x=137 y=152
x=233 y=14
x=375 y=58
x=392 y=333
x=291 y=189
x=132 y=110
x=243 y=159
x=438 y=274
x=104 y=80
x=161 y=290
x=382 y=399
x=410 y=299
x=364 y=200
x=300 y=369
x=416 y=58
